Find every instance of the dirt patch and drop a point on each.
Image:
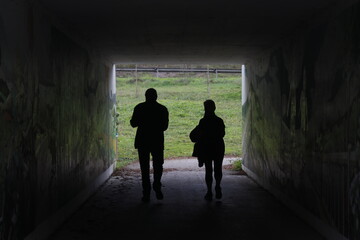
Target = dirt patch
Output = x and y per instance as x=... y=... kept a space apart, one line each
x=124 y=172
x=179 y=158
x=135 y=172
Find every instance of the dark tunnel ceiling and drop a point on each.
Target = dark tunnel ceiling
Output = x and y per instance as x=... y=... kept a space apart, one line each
x=206 y=31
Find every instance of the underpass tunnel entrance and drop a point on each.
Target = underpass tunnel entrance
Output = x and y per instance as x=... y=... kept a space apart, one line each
x=182 y=88
x=298 y=112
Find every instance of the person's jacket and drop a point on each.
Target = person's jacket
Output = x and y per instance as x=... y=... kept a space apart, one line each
x=209 y=137
x=151 y=120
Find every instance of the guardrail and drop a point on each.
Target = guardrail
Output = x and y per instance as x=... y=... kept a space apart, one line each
x=157 y=70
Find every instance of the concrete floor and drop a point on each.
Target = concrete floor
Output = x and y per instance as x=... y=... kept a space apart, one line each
x=245 y=212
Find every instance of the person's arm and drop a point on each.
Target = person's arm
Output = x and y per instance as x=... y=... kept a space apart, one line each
x=166 y=120
x=219 y=130
x=134 y=121
x=222 y=132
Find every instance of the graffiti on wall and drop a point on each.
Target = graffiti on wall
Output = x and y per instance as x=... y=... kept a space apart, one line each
x=302 y=120
x=56 y=130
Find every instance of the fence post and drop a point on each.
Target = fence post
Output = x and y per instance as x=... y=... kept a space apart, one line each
x=208 y=81
x=136 y=82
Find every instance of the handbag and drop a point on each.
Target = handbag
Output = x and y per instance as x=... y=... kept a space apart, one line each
x=194 y=136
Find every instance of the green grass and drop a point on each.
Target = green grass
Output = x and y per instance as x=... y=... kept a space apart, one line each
x=184 y=97
x=237 y=165
x=123 y=163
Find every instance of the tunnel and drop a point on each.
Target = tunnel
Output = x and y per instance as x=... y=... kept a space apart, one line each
x=300 y=105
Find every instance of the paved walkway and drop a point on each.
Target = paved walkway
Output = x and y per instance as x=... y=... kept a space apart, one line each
x=246 y=211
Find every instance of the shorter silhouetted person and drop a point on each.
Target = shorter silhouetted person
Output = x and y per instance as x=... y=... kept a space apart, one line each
x=209 y=147
x=151 y=119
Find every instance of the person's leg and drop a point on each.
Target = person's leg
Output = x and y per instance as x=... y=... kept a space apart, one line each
x=144 y=159
x=218 y=176
x=158 y=161
x=208 y=178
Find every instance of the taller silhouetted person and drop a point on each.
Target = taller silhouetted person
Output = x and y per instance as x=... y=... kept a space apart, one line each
x=208 y=135
x=151 y=119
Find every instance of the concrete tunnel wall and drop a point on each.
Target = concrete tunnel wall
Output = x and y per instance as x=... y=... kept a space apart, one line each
x=302 y=123
x=57 y=108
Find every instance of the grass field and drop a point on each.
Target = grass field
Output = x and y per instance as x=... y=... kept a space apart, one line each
x=183 y=95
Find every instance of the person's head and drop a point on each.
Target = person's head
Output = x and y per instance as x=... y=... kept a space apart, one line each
x=151 y=95
x=209 y=106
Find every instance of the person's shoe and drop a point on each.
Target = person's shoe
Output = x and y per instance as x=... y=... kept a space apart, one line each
x=145 y=198
x=159 y=194
x=218 y=193
x=208 y=196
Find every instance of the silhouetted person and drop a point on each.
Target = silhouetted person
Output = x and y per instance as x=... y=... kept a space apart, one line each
x=151 y=119
x=210 y=147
